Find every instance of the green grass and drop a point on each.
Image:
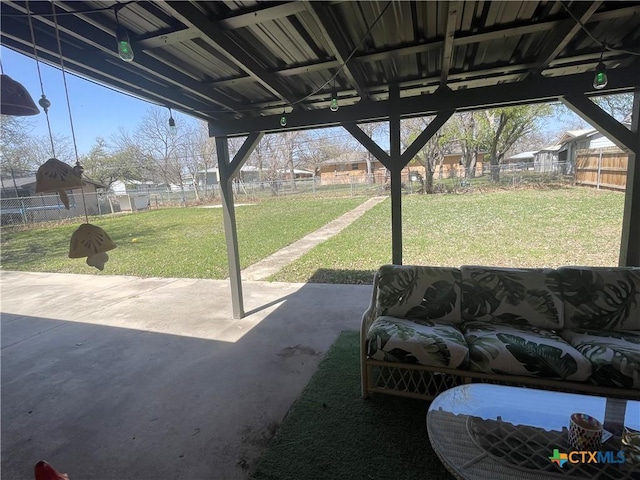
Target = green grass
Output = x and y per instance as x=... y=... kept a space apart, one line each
x=182 y=242
x=332 y=433
x=518 y=228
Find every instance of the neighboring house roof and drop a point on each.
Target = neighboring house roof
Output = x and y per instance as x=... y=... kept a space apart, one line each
x=348 y=157
x=524 y=155
x=296 y=170
x=26 y=182
x=550 y=148
x=244 y=168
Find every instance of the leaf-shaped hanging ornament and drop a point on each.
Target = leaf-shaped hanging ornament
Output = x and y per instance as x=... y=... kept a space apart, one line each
x=57 y=176
x=92 y=242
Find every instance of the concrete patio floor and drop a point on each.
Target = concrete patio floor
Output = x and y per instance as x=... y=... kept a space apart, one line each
x=114 y=378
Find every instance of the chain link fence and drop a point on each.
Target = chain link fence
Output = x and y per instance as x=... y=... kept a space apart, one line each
x=48 y=207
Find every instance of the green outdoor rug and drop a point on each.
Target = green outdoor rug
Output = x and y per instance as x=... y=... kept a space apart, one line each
x=332 y=433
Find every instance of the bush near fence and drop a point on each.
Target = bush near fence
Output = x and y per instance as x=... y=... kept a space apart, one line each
x=45 y=208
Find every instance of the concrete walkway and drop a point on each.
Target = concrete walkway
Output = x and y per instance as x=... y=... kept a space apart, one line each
x=286 y=255
x=115 y=377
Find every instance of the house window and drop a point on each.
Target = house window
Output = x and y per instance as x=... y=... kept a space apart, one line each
x=354 y=166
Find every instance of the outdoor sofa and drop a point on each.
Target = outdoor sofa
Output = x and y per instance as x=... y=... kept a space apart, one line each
x=571 y=329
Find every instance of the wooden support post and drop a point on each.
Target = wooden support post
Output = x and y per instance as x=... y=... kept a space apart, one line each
x=629 y=141
x=230 y=230
x=396 y=165
x=227 y=169
x=630 y=240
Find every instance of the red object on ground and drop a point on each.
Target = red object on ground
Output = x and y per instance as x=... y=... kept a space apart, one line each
x=44 y=471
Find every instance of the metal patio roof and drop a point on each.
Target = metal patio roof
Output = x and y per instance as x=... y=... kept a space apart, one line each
x=241 y=64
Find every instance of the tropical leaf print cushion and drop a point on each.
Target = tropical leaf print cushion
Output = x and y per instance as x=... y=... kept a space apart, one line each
x=614 y=355
x=422 y=293
x=393 y=339
x=523 y=350
x=512 y=296
x=601 y=298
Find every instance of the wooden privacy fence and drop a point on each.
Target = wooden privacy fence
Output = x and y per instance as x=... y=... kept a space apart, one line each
x=602 y=168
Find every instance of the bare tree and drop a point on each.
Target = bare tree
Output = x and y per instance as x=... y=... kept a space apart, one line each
x=320 y=146
x=432 y=154
x=199 y=152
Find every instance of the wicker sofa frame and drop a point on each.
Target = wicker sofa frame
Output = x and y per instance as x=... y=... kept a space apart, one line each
x=426 y=382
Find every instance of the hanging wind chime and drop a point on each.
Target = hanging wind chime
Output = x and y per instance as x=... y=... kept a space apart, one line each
x=54 y=175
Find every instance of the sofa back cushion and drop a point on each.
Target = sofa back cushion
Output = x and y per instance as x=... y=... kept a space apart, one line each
x=601 y=298
x=515 y=296
x=420 y=293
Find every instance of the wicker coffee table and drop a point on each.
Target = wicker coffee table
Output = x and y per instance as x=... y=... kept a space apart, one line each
x=483 y=431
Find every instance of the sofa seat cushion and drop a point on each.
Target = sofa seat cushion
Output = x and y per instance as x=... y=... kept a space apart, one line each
x=601 y=298
x=523 y=350
x=614 y=356
x=515 y=296
x=421 y=293
x=394 y=339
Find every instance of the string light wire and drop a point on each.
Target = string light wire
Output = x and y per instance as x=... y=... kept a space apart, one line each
x=35 y=53
x=66 y=91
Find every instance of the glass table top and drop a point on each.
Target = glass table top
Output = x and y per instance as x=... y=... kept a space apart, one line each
x=526 y=406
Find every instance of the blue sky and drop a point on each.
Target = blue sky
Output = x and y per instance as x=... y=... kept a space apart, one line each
x=96 y=110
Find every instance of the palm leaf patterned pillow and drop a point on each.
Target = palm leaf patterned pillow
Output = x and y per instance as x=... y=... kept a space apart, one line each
x=525 y=296
x=421 y=293
x=601 y=298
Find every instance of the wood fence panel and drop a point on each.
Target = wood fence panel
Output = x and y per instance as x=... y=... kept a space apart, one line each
x=602 y=168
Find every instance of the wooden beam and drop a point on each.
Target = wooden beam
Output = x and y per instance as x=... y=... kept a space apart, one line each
x=605 y=123
x=227 y=169
x=425 y=136
x=76 y=31
x=319 y=11
x=368 y=143
x=191 y=16
x=630 y=240
x=260 y=14
x=230 y=228
x=241 y=157
x=563 y=33
x=533 y=90
x=447 y=49
x=396 y=179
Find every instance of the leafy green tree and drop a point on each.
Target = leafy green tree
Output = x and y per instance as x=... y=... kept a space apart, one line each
x=499 y=129
x=619 y=106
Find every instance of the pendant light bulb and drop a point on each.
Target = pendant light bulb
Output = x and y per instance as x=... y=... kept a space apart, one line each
x=172 y=122
x=283 y=120
x=600 y=79
x=334 y=103
x=122 y=38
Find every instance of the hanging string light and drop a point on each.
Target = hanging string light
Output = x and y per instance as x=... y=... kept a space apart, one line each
x=334 y=98
x=122 y=37
x=172 y=122
x=600 y=79
x=283 y=118
x=88 y=240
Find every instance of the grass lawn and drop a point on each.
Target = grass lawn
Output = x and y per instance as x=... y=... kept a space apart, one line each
x=518 y=228
x=182 y=242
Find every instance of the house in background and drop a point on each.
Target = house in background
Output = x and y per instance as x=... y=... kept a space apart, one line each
x=20 y=203
x=526 y=158
x=351 y=167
